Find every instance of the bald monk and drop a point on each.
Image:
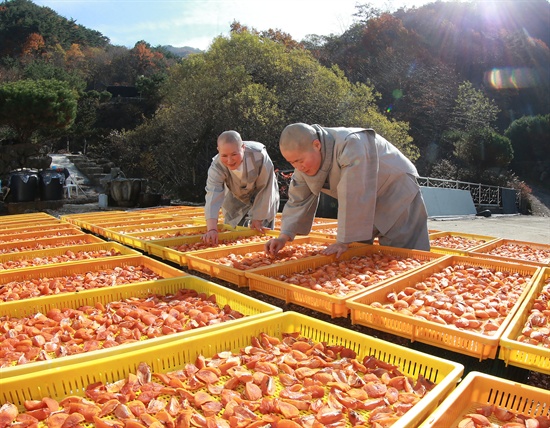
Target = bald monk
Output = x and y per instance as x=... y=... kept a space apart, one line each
x=374 y=183
x=241 y=181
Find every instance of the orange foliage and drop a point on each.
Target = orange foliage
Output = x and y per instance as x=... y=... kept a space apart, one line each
x=33 y=44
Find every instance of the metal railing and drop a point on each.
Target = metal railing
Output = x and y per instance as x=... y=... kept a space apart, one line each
x=482 y=194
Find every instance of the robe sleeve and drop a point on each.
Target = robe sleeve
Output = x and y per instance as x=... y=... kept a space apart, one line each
x=215 y=191
x=266 y=200
x=299 y=211
x=357 y=188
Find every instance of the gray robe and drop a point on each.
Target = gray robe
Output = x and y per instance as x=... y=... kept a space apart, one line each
x=376 y=189
x=255 y=194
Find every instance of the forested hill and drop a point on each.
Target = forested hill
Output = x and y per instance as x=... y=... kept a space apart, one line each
x=21 y=21
x=453 y=84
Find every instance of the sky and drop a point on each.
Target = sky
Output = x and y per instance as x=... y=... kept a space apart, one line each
x=196 y=23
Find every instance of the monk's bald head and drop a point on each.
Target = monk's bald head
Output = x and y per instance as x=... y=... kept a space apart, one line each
x=230 y=137
x=297 y=137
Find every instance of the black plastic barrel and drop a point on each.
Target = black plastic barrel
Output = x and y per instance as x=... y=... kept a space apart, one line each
x=23 y=185
x=51 y=184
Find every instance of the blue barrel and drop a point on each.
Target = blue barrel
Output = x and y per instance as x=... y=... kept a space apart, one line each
x=23 y=185
x=51 y=184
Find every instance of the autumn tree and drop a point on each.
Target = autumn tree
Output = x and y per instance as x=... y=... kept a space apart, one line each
x=27 y=106
x=254 y=85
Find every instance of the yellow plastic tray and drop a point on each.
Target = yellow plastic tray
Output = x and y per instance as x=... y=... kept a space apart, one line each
x=262 y=279
x=147 y=226
x=52 y=252
x=460 y=341
x=481 y=240
x=86 y=220
x=252 y=309
x=201 y=261
x=140 y=240
x=31 y=228
x=522 y=354
x=161 y=247
x=61 y=241
x=93 y=224
x=483 y=251
x=173 y=209
x=7 y=225
x=17 y=217
x=81 y=217
x=68 y=231
x=479 y=389
x=110 y=223
x=74 y=378
x=53 y=271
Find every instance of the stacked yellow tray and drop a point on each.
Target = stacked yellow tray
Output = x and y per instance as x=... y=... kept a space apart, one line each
x=73 y=379
x=482 y=391
x=38 y=258
x=469 y=242
x=202 y=261
x=525 y=252
x=141 y=240
x=164 y=248
x=85 y=272
x=419 y=329
x=252 y=309
x=146 y=226
x=263 y=279
x=529 y=356
x=44 y=243
x=67 y=230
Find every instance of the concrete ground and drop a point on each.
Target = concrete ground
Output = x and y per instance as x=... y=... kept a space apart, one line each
x=516 y=227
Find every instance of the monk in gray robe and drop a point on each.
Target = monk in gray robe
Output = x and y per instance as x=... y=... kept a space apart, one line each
x=374 y=183
x=241 y=181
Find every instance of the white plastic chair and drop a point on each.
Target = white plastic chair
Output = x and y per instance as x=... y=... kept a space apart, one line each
x=69 y=186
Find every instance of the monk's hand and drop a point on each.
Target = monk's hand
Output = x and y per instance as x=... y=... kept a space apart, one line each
x=337 y=248
x=273 y=246
x=211 y=237
x=257 y=225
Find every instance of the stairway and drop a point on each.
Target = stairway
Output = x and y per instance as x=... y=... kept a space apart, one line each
x=94 y=171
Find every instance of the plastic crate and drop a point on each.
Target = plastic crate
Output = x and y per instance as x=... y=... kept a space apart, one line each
x=17 y=217
x=419 y=329
x=201 y=261
x=52 y=252
x=62 y=241
x=521 y=354
x=97 y=226
x=479 y=389
x=86 y=220
x=110 y=223
x=94 y=224
x=483 y=251
x=252 y=309
x=54 y=271
x=140 y=240
x=481 y=240
x=161 y=248
x=68 y=231
x=262 y=279
x=318 y=222
x=31 y=228
x=146 y=226
x=6 y=225
x=81 y=217
x=74 y=378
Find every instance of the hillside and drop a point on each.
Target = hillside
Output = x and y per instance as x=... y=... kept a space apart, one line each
x=183 y=51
